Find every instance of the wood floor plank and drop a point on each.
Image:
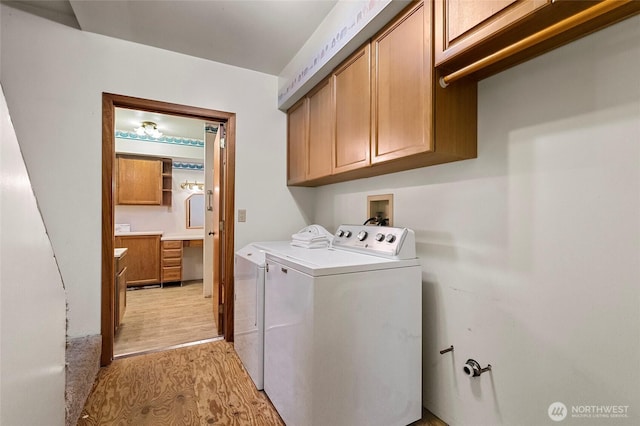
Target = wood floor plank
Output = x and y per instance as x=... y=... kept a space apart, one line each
x=158 y=318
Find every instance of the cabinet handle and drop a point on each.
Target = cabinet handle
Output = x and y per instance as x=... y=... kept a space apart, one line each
x=285 y=270
x=209 y=200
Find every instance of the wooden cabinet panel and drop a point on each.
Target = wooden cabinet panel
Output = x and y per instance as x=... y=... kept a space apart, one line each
x=352 y=91
x=139 y=181
x=143 y=180
x=297 y=134
x=466 y=31
x=320 y=131
x=461 y=24
x=143 y=263
x=120 y=289
x=402 y=95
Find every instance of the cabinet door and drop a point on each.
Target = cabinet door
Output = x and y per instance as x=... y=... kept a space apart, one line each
x=402 y=91
x=121 y=284
x=352 y=89
x=320 y=131
x=297 y=133
x=143 y=258
x=462 y=24
x=139 y=181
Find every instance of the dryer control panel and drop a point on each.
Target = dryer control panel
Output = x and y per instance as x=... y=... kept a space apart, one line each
x=385 y=241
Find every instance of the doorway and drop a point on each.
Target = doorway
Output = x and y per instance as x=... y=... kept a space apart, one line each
x=222 y=229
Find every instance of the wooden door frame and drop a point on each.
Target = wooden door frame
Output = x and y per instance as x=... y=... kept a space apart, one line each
x=109 y=103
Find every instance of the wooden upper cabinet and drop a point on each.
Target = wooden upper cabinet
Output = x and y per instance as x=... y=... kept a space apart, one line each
x=352 y=92
x=466 y=31
x=462 y=24
x=297 y=138
x=402 y=95
x=139 y=180
x=320 y=131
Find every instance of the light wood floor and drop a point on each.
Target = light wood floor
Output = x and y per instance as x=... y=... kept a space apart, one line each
x=196 y=385
x=158 y=318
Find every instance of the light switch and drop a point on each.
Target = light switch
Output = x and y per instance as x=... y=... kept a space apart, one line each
x=242 y=215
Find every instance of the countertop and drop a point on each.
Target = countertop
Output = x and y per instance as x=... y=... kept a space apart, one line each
x=176 y=237
x=119 y=252
x=124 y=234
x=164 y=237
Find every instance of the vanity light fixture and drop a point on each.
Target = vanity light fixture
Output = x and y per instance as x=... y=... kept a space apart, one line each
x=192 y=185
x=148 y=128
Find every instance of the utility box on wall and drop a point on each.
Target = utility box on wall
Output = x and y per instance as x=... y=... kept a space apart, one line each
x=380 y=207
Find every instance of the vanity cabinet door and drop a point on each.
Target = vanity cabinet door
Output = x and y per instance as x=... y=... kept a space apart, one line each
x=121 y=290
x=143 y=258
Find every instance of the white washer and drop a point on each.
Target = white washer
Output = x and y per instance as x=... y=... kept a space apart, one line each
x=343 y=330
x=248 y=312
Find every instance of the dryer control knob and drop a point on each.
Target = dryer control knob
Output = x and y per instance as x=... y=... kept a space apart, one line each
x=379 y=237
x=347 y=234
x=362 y=235
x=390 y=238
x=340 y=233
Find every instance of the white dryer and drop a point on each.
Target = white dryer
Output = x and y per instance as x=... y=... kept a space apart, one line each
x=248 y=312
x=343 y=330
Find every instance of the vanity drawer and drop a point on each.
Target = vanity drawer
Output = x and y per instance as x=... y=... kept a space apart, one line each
x=175 y=261
x=172 y=274
x=172 y=253
x=172 y=244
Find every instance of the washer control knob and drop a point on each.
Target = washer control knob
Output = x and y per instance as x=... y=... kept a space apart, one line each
x=379 y=237
x=390 y=238
x=347 y=234
x=340 y=233
x=362 y=235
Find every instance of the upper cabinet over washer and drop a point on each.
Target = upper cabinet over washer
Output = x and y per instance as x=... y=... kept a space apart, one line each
x=466 y=31
x=386 y=113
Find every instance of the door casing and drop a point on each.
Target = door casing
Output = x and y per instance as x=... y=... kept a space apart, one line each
x=109 y=103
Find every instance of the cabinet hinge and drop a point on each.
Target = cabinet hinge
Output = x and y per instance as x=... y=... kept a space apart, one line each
x=222 y=226
x=221 y=308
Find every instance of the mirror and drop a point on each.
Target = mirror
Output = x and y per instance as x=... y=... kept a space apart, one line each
x=195 y=211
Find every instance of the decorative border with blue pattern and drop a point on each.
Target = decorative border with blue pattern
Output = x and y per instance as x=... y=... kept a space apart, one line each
x=188 y=166
x=197 y=143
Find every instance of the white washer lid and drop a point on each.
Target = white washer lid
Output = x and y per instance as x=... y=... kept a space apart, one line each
x=319 y=262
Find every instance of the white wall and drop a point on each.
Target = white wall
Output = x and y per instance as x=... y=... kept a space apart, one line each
x=32 y=299
x=54 y=76
x=531 y=252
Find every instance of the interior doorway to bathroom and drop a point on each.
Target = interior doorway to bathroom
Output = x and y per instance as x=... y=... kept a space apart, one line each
x=222 y=230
